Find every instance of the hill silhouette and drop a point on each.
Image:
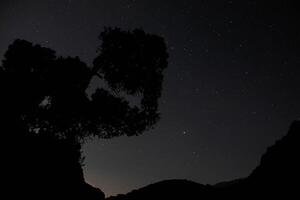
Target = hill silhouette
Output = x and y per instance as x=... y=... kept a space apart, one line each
x=44 y=167
x=276 y=176
x=168 y=189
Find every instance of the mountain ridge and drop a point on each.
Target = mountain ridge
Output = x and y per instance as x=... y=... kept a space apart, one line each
x=273 y=177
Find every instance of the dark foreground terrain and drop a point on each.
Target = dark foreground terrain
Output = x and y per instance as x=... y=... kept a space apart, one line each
x=45 y=168
x=276 y=176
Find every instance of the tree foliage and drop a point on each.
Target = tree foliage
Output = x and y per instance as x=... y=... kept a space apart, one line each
x=48 y=94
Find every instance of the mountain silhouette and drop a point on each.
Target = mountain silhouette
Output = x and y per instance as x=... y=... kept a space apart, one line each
x=168 y=189
x=275 y=176
x=44 y=167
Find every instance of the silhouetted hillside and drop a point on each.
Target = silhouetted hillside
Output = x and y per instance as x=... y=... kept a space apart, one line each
x=168 y=189
x=278 y=172
x=226 y=184
x=276 y=176
x=44 y=167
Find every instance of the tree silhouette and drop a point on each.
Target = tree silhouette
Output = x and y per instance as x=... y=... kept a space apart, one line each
x=46 y=112
x=48 y=93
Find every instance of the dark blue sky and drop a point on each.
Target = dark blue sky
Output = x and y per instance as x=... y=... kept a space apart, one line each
x=232 y=87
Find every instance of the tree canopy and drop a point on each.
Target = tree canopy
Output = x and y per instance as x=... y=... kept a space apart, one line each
x=47 y=93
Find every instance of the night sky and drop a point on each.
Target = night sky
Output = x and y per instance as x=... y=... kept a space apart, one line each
x=232 y=87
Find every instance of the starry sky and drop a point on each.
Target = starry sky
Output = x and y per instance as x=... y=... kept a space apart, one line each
x=232 y=87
